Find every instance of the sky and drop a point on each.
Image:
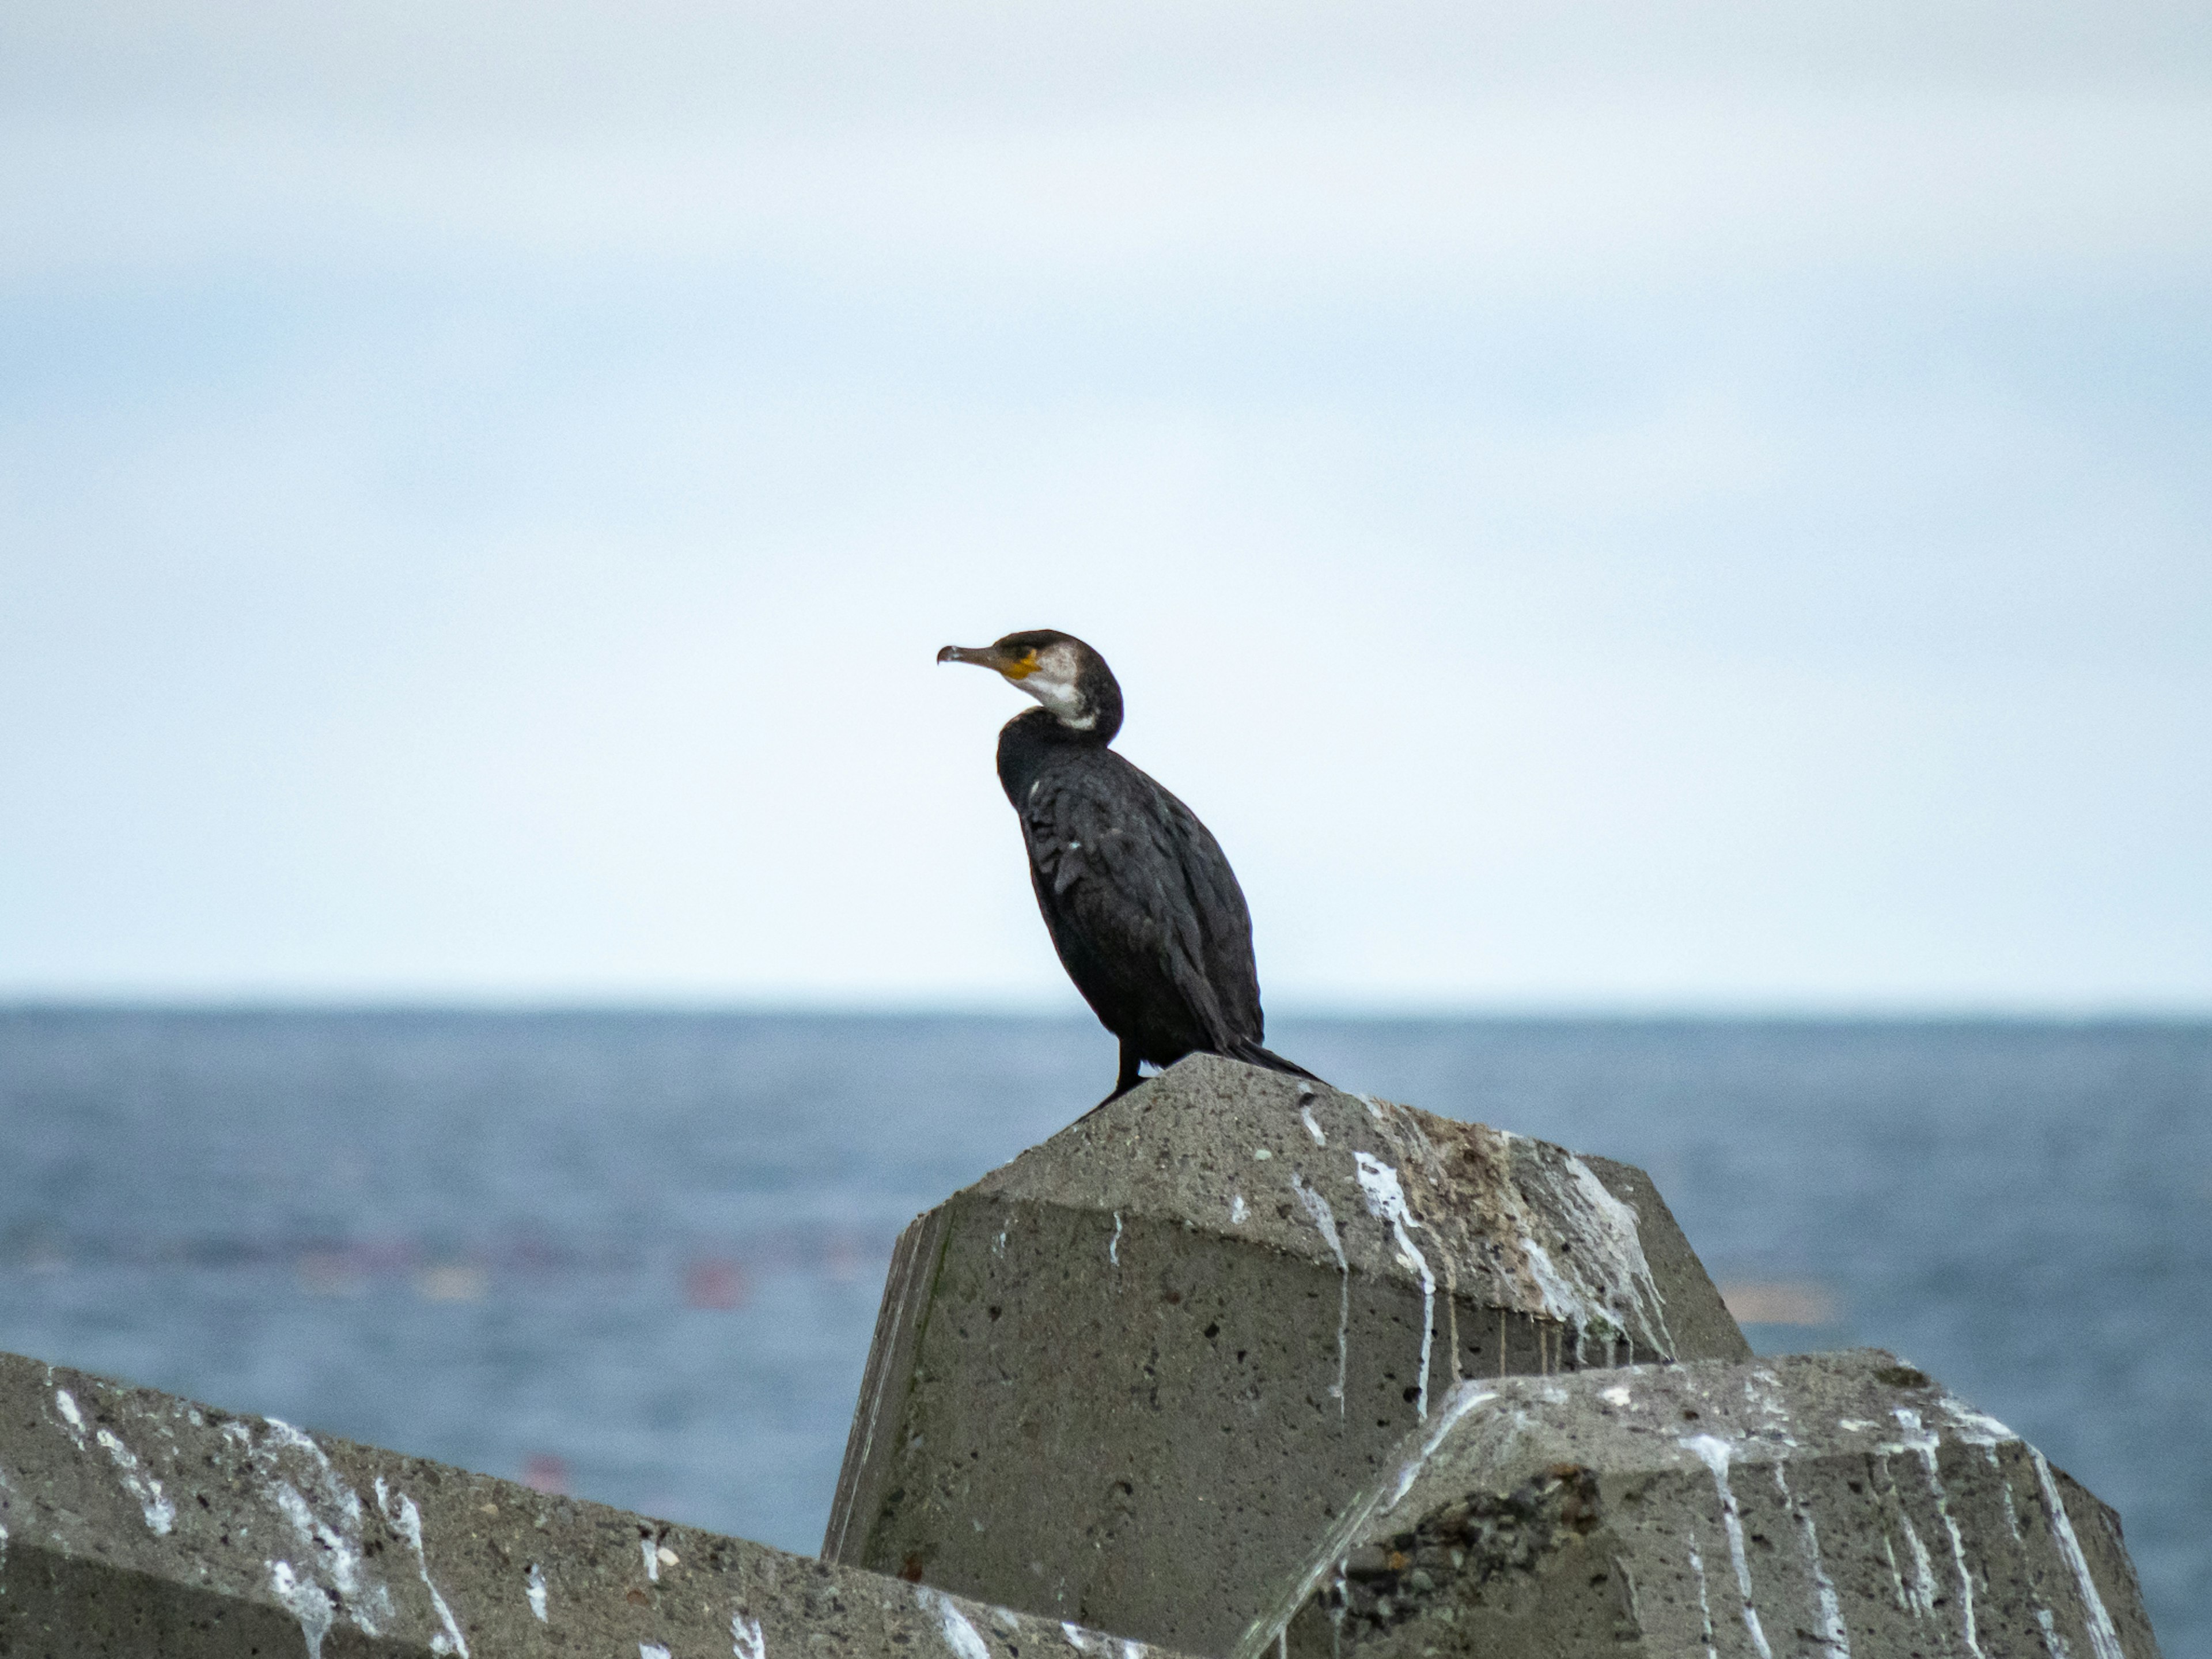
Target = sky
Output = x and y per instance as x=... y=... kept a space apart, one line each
x=1627 y=507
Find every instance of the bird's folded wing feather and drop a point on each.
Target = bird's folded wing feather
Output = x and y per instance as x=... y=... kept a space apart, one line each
x=1143 y=881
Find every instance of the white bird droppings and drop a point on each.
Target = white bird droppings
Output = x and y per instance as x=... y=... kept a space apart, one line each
x=1924 y=1444
x=1463 y=1398
x=161 y=1514
x=1386 y=1200
x=406 y=1519
x=1236 y=1210
x=962 y=1638
x=652 y=1650
x=746 y=1641
x=1306 y=1116
x=1324 y=1221
x=1714 y=1453
x=534 y=1593
x=1704 y=1602
x=1114 y=1244
x=304 y=1600
x=1833 y=1632
x=2104 y=1638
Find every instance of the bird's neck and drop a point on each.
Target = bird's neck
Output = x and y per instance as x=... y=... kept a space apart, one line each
x=1031 y=741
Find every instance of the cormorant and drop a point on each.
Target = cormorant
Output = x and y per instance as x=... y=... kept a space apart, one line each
x=1141 y=904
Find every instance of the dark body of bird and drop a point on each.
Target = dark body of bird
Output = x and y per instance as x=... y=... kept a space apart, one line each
x=1140 y=902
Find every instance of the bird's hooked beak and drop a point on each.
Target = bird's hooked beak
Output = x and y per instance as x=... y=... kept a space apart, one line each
x=1013 y=666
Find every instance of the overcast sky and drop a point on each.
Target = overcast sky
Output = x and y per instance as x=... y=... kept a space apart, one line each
x=1619 y=507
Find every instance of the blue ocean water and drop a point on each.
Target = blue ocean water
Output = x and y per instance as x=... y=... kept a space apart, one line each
x=636 y=1255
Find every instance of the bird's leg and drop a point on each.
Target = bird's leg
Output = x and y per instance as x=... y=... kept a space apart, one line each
x=1129 y=1077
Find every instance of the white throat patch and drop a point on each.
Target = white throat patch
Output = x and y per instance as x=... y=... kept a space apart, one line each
x=1052 y=682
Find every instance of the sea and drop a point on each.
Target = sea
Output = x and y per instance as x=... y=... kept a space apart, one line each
x=635 y=1256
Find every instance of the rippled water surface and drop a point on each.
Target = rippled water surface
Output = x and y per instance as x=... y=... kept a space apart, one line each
x=637 y=1256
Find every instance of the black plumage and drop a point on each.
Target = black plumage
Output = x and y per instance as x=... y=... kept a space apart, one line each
x=1139 y=899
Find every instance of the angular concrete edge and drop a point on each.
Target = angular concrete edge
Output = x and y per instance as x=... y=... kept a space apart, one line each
x=1815 y=1504
x=137 y=1525
x=1700 y=1322
x=862 y=1476
x=1364 y=1185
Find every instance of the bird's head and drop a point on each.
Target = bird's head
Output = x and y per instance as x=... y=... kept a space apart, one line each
x=1066 y=676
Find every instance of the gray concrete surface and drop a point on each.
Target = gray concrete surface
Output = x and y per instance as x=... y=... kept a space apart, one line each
x=1128 y=1378
x=1824 y=1505
x=135 y=1525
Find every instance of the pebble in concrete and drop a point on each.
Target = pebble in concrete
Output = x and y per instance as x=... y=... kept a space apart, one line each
x=1824 y=1505
x=135 y=1525
x=1128 y=1378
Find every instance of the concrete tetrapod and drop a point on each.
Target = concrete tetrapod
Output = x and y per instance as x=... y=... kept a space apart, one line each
x=1827 y=1504
x=1130 y=1377
x=135 y=1525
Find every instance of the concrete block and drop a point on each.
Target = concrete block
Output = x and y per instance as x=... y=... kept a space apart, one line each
x=1826 y=1504
x=135 y=1525
x=1130 y=1377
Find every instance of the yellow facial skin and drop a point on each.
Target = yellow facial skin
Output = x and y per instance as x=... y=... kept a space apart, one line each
x=1021 y=667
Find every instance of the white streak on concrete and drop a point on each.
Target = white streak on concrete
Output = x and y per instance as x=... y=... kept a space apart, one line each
x=161 y=1514
x=1605 y=1285
x=2103 y=1638
x=1114 y=1244
x=534 y=1593
x=1386 y=1200
x=746 y=1641
x=962 y=1638
x=652 y=1560
x=72 y=1419
x=1324 y=1221
x=306 y=1602
x=1704 y=1604
x=1236 y=1210
x=1833 y=1632
x=652 y=1650
x=340 y=1555
x=1374 y=1106
x=2053 y=1640
x=1896 y=1579
x=1923 y=1594
x=399 y=1509
x=1975 y=1428
x=1306 y=1117
x=1076 y=1638
x=1463 y=1398
x=326 y=1518
x=2004 y=1490
x=1923 y=1443
x=1714 y=1453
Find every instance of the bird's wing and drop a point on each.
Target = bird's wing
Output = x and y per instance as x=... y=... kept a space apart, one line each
x=1141 y=899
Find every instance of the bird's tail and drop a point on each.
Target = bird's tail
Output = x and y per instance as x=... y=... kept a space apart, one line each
x=1252 y=1053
